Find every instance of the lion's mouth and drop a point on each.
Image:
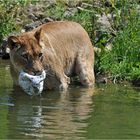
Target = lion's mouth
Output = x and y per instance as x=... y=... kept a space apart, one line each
x=32 y=84
x=34 y=73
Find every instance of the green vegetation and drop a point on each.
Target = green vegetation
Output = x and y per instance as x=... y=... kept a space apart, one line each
x=123 y=61
x=9 y=11
x=120 y=63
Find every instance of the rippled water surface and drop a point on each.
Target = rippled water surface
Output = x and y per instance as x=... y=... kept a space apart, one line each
x=107 y=111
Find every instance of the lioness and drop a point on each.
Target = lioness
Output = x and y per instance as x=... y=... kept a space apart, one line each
x=63 y=49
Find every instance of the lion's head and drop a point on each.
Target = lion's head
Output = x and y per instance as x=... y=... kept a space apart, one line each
x=26 y=53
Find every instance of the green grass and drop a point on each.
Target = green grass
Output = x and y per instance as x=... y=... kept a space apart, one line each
x=123 y=62
x=9 y=10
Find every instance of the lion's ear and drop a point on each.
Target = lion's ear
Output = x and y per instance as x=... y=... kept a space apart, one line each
x=13 y=42
x=37 y=34
x=40 y=37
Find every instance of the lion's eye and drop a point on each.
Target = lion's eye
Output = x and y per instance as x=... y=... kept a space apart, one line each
x=25 y=56
x=16 y=46
x=40 y=55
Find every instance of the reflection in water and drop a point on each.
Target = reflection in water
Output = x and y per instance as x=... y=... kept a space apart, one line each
x=113 y=112
x=55 y=115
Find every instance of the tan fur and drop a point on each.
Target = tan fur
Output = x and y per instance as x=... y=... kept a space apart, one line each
x=66 y=48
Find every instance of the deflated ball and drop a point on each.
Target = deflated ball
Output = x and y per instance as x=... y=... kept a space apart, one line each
x=32 y=85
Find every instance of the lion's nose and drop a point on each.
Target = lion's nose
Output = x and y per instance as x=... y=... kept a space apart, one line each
x=37 y=72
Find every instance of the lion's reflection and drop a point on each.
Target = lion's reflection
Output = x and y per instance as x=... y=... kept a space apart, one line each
x=55 y=115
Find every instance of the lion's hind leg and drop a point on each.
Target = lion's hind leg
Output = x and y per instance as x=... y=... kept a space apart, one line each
x=84 y=70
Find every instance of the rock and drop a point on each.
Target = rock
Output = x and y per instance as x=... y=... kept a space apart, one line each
x=108 y=47
x=45 y=20
x=39 y=15
x=35 y=24
x=23 y=31
x=97 y=50
x=32 y=16
x=32 y=25
x=83 y=9
x=50 y=2
x=80 y=8
x=73 y=3
x=70 y=12
x=104 y=21
x=86 y=5
x=101 y=79
x=108 y=3
x=36 y=11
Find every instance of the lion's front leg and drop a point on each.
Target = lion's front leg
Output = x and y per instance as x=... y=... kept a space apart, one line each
x=55 y=80
x=64 y=82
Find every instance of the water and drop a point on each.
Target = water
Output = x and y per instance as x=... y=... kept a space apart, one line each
x=108 y=111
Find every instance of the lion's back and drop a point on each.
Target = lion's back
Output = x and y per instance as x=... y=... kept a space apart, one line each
x=67 y=36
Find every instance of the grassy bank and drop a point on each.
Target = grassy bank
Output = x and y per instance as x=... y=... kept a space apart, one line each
x=121 y=30
x=123 y=62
